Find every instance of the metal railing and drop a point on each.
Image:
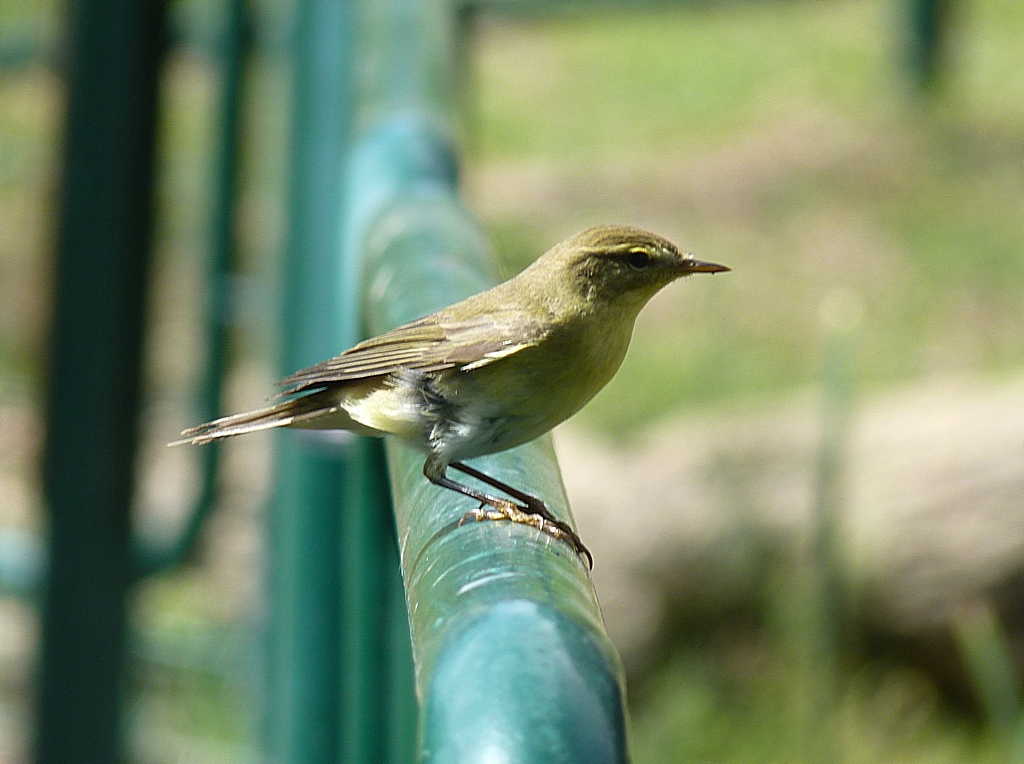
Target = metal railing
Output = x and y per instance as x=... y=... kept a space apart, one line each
x=507 y=650
x=510 y=654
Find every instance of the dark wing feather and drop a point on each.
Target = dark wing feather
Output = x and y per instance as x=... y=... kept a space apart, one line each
x=434 y=343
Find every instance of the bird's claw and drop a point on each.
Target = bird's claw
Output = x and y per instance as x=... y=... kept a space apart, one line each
x=507 y=510
x=480 y=514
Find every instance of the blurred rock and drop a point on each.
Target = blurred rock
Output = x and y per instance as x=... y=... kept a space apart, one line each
x=933 y=506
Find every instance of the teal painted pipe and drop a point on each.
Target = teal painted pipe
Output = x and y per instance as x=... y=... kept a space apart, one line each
x=339 y=685
x=21 y=559
x=104 y=244
x=468 y=588
x=150 y=556
x=512 y=661
x=927 y=38
x=378 y=704
x=303 y=679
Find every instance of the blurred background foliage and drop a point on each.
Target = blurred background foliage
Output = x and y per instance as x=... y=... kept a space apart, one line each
x=784 y=138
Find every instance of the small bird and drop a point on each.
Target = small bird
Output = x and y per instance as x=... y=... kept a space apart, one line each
x=491 y=372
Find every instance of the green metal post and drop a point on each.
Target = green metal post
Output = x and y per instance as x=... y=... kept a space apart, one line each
x=340 y=661
x=379 y=708
x=103 y=257
x=929 y=27
x=512 y=661
x=152 y=556
x=823 y=607
x=303 y=681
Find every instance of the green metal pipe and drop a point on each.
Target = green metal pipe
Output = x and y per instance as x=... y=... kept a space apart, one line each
x=417 y=249
x=378 y=722
x=103 y=256
x=150 y=555
x=339 y=685
x=512 y=661
x=511 y=656
x=533 y=9
x=926 y=40
x=303 y=681
x=21 y=561
x=508 y=641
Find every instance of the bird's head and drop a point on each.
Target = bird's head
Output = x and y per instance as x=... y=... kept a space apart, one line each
x=619 y=264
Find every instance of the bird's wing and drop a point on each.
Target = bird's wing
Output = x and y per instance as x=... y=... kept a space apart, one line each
x=434 y=343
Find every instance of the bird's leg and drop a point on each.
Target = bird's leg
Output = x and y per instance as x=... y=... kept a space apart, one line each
x=534 y=506
x=435 y=471
x=536 y=514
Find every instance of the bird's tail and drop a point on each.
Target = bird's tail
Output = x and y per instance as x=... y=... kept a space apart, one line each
x=292 y=412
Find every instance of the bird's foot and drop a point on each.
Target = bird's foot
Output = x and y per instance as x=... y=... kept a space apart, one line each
x=543 y=521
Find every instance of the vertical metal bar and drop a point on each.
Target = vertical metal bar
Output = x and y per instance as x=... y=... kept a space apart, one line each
x=334 y=628
x=822 y=637
x=376 y=652
x=150 y=557
x=929 y=27
x=401 y=708
x=303 y=682
x=363 y=551
x=304 y=651
x=103 y=257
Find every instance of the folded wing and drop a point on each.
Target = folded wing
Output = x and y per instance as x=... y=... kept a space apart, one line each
x=430 y=344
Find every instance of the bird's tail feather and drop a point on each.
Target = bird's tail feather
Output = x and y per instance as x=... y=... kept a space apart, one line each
x=291 y=412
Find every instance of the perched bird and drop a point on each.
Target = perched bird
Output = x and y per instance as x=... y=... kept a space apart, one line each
x=491 y=372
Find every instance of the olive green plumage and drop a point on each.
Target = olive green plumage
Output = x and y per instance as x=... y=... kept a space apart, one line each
x=490 y=372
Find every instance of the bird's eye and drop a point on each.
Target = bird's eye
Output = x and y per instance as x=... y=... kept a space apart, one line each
x=638 y=258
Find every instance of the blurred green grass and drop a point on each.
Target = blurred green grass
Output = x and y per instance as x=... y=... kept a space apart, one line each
x=582 y=85
x=886 y=713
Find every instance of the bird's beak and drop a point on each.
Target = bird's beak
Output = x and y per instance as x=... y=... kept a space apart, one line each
x=699 y=266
